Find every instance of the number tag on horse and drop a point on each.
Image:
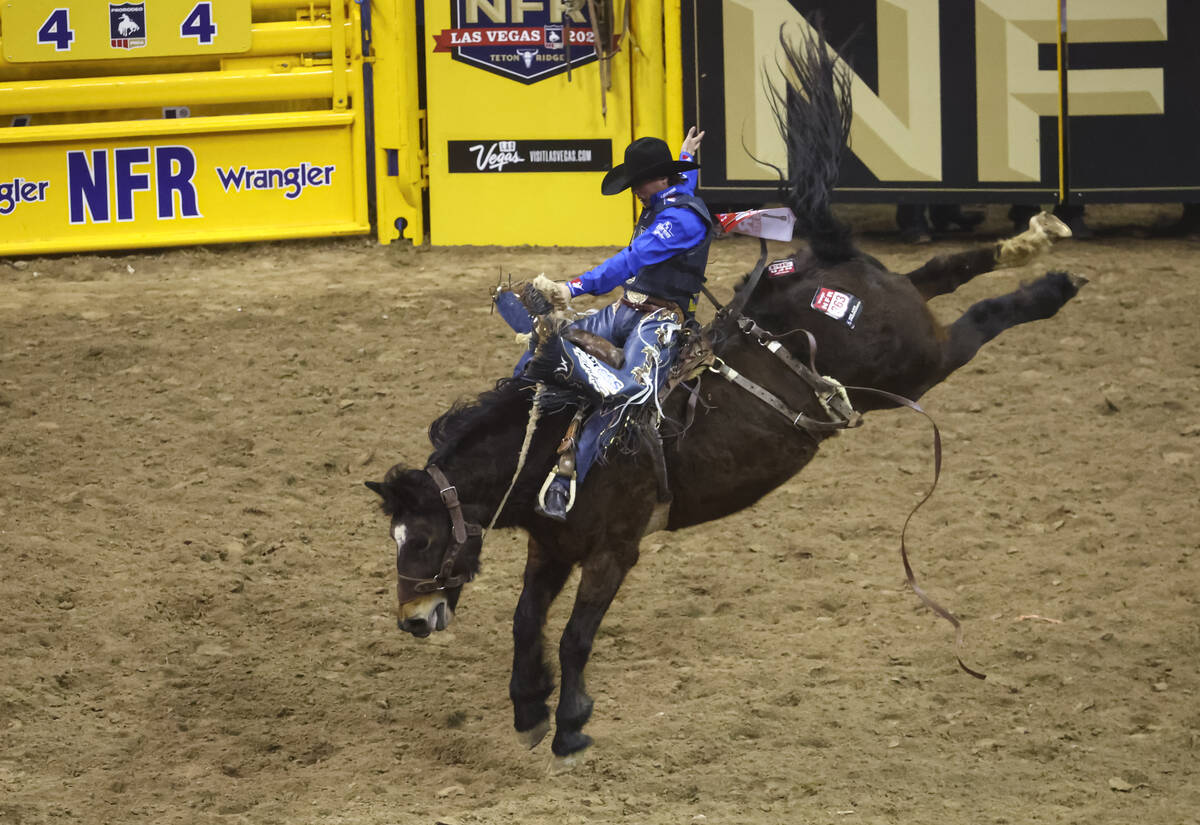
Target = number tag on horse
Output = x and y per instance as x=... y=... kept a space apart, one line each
x=841 y=306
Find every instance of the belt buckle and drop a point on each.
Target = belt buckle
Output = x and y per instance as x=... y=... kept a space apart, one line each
x=635 y=297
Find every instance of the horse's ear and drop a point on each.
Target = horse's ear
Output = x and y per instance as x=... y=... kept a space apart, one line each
x=375 y=486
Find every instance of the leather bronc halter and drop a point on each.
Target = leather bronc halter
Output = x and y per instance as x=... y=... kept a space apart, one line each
x=460 y=530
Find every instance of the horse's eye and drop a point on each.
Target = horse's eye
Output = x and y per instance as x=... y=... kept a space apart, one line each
x=410 y=544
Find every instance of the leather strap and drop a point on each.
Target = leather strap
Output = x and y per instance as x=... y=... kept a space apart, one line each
x=908 y=571
x=799 y=419
x=449 y=494
x=650 y=304
x=460 y=529
x=734 y=307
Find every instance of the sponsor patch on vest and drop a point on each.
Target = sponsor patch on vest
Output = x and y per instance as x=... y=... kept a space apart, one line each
x=841 y=306
x=784 y=267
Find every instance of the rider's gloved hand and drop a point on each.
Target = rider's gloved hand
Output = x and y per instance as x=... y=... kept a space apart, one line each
x=556 y=292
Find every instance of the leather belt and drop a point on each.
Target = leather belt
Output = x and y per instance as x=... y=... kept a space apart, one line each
x=648 y=303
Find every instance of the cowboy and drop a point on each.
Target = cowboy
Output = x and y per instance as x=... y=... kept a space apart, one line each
x=662 y=271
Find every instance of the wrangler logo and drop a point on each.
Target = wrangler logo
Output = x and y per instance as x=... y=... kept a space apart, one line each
x=18 y=191
x=294 y=178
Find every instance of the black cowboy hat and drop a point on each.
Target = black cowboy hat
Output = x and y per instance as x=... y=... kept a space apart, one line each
x=646 y=159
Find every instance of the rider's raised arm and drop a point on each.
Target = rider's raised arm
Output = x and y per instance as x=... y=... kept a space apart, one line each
x=688 y=151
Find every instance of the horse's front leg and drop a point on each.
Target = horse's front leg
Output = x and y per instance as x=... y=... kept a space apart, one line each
x=531 y=682
x=602 y=575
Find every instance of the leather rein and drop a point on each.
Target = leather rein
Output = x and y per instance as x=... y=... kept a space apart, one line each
x=460 y=529
x=833 y=398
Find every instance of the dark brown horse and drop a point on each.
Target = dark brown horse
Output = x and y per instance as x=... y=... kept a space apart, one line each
x=737 y=449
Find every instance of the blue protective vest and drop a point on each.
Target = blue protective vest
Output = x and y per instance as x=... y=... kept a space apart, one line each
x=679 y=278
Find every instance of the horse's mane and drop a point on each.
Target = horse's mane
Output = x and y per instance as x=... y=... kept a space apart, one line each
x=465 y=418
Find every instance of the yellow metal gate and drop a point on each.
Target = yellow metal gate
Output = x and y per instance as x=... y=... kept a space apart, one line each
x=163 y=122
x=522 y=126
x=184 y=121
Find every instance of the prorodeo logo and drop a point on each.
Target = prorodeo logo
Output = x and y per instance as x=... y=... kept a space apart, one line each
x=511 y=39
x=127 y=25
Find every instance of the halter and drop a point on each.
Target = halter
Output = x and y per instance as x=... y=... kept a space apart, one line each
x=460 y=529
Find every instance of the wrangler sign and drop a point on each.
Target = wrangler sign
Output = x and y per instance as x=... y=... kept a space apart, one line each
x=172 y=188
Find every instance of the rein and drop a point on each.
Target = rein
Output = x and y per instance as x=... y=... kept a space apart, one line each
x=927 y=600
x=460 y=529
x=834 y=399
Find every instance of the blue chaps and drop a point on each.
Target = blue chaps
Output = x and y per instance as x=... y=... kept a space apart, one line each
x=650 y=343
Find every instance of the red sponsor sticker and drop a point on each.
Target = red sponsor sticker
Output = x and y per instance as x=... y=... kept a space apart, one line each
x=841 y=306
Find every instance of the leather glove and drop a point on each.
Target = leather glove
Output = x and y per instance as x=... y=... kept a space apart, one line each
x=556 y=292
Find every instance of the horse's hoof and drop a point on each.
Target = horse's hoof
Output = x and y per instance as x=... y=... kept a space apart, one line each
x=530 y=738
x=1050 y=226
x=568 y=744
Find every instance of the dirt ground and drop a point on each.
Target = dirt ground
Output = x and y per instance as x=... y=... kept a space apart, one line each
x=197 y=598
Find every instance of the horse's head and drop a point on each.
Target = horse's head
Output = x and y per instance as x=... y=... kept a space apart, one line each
x=437 y=552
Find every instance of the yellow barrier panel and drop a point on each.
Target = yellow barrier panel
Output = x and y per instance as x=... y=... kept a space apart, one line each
x=248 y=119
x=400 y=159
x=517 y=146
x=46 y=30
x=110 y=157
x=218 y=179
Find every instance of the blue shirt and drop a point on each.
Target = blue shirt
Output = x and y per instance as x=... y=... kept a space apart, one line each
x=676 y=230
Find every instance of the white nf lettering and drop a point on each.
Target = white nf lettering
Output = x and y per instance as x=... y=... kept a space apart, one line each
x=101 y=179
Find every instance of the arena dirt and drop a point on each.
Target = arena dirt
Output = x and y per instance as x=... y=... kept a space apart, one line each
x=197 y=591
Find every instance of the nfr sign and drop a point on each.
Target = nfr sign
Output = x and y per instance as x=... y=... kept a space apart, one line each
x=524 y=40
x=961 y=99
x=101 y=183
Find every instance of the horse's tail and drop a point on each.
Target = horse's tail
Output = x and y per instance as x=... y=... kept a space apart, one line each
x=813 y=112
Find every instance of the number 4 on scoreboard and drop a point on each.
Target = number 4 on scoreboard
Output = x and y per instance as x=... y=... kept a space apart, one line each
x=56 y=31
x=199 y=24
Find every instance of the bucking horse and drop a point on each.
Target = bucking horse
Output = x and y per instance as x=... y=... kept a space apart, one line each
x=828 y=329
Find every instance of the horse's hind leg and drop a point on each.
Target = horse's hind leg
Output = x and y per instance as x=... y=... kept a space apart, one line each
x=946 y=273
x=988 y=318
x=531 y=682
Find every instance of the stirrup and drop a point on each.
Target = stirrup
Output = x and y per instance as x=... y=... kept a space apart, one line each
x=540 y=503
